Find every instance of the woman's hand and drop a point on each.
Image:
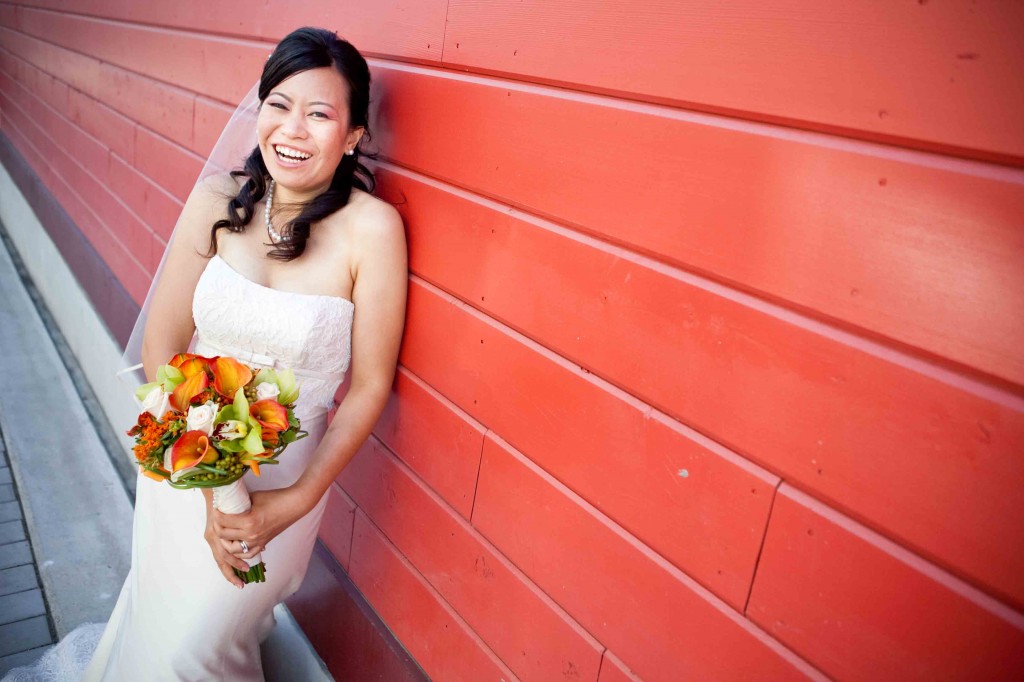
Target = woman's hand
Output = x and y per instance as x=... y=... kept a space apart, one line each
x=221 y=554
x=272 y=511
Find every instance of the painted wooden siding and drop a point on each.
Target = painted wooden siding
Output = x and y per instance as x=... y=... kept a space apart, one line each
x=714 y=320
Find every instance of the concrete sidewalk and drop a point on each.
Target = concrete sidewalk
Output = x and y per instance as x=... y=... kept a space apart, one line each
x=76 y=509
x=67 y=492
x=26 y=629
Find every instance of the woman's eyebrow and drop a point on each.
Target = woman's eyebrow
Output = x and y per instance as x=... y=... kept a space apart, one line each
x=326 y=104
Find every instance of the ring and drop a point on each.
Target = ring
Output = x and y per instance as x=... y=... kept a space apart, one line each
x=245 y=547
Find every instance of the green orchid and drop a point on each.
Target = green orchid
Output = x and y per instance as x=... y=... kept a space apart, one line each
x=167 y=378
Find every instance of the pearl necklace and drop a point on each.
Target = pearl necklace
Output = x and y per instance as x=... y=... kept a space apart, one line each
x=275 y=236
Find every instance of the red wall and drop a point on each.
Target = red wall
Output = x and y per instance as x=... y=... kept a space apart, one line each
x=712 y=367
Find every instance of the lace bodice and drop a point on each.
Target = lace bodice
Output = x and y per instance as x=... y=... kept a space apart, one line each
x=311 y=333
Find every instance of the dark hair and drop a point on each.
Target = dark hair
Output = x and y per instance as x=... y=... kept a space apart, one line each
x=303 y=49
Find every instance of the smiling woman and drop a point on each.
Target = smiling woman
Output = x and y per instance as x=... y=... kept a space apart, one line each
x=329 y=294
x=303 y=139
x=313 y=115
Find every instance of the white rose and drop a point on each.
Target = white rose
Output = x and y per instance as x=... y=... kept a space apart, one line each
x=200 y=417
x=268 y=389
x=157 y=402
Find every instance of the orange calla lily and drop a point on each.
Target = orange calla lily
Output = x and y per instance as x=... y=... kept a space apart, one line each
x=188 y=389
x=270 y=414
x=229 y=375
x=191 y=448
x=190 y=364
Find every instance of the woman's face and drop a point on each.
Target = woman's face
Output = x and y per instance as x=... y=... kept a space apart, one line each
x=303 y=129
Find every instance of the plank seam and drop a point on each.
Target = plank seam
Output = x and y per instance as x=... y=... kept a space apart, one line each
x=760 y=549
x=661 y=562
x=444 y=33
x=479 y=468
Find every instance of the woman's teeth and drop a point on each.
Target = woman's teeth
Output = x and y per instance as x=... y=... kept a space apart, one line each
x=289 y=156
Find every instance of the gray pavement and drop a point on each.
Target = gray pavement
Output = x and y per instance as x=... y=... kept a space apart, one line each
x=65 y=508
x=26 y=630
x=74 y=506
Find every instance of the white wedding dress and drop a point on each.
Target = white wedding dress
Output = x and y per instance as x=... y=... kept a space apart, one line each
x=177 y=619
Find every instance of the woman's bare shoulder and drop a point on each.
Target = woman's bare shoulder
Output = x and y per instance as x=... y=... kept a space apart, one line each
x=379 y=234
x=374 y=214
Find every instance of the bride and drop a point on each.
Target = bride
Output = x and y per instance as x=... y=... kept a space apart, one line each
x=287 y=262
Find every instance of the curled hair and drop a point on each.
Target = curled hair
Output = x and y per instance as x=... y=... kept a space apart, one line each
x=303 y=49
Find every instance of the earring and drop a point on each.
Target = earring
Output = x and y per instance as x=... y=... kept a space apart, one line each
x=350 y=152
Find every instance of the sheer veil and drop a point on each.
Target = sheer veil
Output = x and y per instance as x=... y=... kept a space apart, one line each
x=235 y=143
x=68 y=659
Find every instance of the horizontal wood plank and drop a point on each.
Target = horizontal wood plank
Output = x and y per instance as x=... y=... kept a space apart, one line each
x=933 y=75
x=861 y=608
x=87 y=171
x=413 y=31
x=343 y=628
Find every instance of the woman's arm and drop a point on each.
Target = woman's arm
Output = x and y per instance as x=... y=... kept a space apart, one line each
x=379 y=294
x=169 y=327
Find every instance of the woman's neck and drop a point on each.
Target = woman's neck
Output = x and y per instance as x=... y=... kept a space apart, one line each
x=283 y=195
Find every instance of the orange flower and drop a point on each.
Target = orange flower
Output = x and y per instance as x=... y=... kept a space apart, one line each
x=270 y=414
x=148 y=432
x=191 y=448
x=229 y=375
x=187 y=390
x=190 y=364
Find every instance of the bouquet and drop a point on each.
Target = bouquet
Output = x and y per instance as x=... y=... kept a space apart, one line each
x=208 y=421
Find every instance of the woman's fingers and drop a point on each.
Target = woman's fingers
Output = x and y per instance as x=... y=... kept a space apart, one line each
x=234 y=548
x=225 y=569
x=229 y=575
x=240 y=564
x=227 y=555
